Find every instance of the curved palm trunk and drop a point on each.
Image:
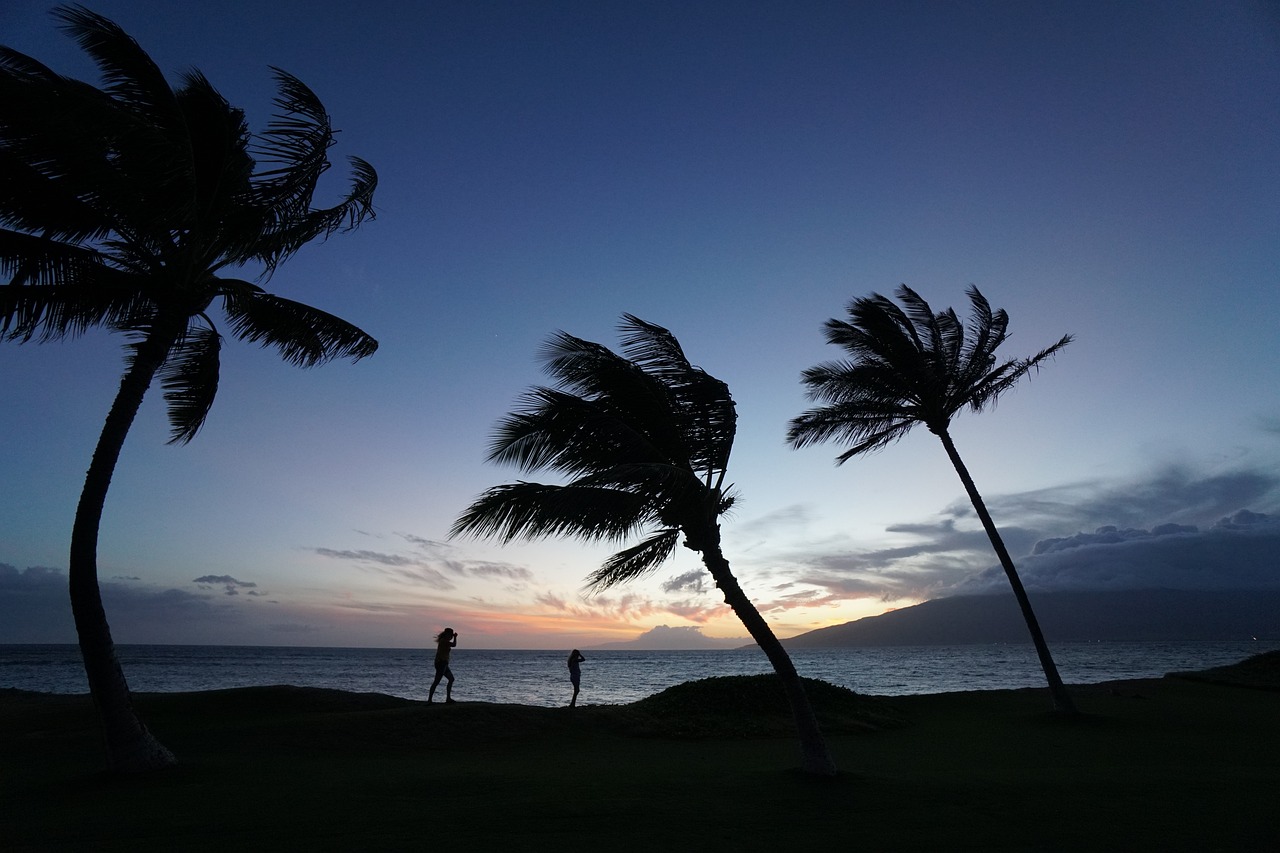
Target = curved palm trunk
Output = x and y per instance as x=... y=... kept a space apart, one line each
x=130 y=746
x=815 y=756
x=1057 y=690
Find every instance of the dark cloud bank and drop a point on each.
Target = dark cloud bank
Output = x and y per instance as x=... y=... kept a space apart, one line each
x=1171 y=582
x=35 y=608
x=1169 y=557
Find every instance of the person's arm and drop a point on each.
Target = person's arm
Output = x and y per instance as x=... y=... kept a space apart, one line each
x=454 y=641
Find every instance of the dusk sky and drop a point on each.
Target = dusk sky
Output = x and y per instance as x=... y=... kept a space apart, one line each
x=737 y=172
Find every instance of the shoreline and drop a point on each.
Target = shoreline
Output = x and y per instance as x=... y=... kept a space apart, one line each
x=1186 y=762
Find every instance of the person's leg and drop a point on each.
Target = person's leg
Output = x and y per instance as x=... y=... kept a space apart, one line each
x=448 y=687
x=431 y=695
x=574 y=701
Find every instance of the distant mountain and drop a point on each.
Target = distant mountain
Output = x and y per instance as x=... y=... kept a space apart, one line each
x=1126 y=615
x=664 y=638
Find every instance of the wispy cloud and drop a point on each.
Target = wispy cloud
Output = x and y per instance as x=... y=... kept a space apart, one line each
x=429 y=563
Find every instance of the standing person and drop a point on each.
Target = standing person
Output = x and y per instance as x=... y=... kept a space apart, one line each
x=446 y=640
x=575 y=674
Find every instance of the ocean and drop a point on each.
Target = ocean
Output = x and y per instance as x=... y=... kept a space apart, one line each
x=608 y=677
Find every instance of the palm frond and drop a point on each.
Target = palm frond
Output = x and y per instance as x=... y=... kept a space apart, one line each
x=704 y=408
x=536 y=510
x=929 y=330
x=29 y=259
x=866 y=426
x=45 y=206
x=210 y=183
x=906 y=365
x=282 y=239
x=304 y=336
x=97 y=296
x=635 y=562
x=19 y=64
x=657 y=482
x=620 y=387
x=1010 y=373
x=555 y=430
x=55 y=155
x=987 y=331
x=593 y=371
x=653 y=349
x=190 y=381
x=132 y=78
x=294 y=144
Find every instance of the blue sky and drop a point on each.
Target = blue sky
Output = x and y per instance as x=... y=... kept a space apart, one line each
x=737 y=172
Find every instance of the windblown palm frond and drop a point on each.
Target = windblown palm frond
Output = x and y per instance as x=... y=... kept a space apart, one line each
x=93 y=296
x=705 y=409
x=619 y=388
x=304 y=336
x=635 y=562
x=132 y=78
x=536 y=510
x=190 y=381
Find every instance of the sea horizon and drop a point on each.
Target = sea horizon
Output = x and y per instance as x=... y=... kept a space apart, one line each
x=539 y=676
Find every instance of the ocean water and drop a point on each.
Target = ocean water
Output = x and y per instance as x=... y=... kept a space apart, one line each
x=608 y=677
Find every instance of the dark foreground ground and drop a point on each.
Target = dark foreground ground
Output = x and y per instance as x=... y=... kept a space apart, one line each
x=1180 y=763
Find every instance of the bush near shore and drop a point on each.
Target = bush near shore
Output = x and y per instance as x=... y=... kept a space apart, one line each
x=1187 y=762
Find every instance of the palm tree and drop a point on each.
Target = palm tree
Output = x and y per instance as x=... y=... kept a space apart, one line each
x=910 y=366
x=644 y=441
x=122 y=207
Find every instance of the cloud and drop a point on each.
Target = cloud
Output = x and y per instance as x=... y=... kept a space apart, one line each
x=1172 y=528
x=693 y=581
x=33 y=577
x=230 y=585
x=783 y=520
x=367 y=557
x=397 y=567
x=1174 y=494
x=432 y=564
x=35 y=607
x=1237 y=552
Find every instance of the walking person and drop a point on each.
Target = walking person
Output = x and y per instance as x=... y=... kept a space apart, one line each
x=446 y=640
x=575 y=674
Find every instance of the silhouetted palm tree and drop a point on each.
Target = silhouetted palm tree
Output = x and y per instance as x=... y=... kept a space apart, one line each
x=121 y=207
x=911 y=366
x=644 y=441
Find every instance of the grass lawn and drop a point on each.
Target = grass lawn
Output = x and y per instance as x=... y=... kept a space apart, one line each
x=1165 y=764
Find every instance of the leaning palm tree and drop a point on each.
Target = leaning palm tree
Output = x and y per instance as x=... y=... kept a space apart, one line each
x=122 y=208
x=911 y=366
x=644 y=440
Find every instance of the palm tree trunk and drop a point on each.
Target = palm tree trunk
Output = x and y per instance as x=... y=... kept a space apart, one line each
x=1058 y=694
x=130 y=746
x=816 y=757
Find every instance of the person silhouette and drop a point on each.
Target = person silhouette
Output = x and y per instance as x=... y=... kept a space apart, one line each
x=575 y=674
x=446 y=640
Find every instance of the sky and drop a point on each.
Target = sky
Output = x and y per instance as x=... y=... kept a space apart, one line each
x=737 y=172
